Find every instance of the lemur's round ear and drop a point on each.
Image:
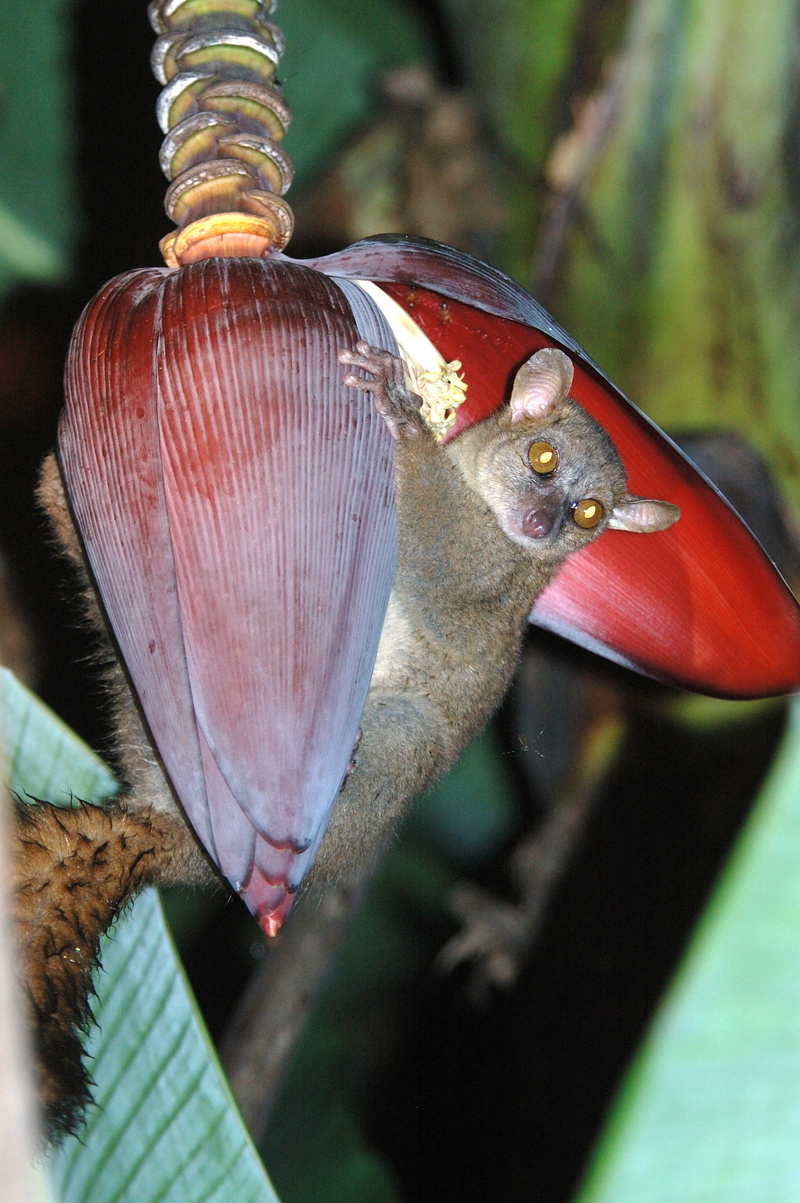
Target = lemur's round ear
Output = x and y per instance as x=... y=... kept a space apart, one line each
x=541 y=384
x=642 y=516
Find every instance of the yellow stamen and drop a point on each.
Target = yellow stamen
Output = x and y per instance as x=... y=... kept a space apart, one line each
x=438 y=384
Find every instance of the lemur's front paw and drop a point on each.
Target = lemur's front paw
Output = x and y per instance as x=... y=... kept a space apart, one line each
x=398 y=407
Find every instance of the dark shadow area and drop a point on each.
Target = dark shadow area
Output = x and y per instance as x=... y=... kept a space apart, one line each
x=505 y=1101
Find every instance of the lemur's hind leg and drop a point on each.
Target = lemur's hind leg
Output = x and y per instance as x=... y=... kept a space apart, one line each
x=76 y=869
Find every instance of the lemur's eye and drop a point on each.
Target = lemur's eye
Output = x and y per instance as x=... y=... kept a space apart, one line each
x=587 y=513
x=543 y=458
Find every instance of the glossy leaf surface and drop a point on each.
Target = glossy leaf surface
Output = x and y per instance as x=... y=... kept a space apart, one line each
x=43 y=757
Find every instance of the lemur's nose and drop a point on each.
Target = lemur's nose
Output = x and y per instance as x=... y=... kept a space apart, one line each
x=536 y=524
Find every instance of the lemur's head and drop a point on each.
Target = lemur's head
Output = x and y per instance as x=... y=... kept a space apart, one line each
x=549 y=471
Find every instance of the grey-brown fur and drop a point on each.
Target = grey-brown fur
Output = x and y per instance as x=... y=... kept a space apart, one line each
x=466 y=582
x=467 y=578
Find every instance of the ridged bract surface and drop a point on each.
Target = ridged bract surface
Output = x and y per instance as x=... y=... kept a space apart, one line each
x=236 y=502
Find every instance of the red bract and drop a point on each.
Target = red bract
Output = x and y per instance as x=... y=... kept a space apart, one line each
x=236 y=503
x=699 y=605
x=235 y=499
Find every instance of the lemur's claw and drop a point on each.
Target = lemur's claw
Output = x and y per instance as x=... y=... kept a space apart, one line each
x=398 y=407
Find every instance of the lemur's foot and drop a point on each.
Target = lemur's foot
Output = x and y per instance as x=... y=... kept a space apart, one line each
x=398 y=407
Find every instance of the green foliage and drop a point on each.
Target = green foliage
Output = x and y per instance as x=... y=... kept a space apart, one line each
x=516 y=54
x=683 y=277
x=711 y=1108
x=525 y=61
x=43 y=758
x=334 y=54
x=165 y=1126
x=37 y=206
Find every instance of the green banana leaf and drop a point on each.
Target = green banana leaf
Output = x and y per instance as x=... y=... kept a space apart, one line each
x=165 y=1126
x=711 y=1107
x=44 y=758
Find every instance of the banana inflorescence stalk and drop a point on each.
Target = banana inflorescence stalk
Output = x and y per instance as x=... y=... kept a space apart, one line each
x=224 y=117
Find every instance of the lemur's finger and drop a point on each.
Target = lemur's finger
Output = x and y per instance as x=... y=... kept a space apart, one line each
x=366 y=363
x=353 y=381
x=371 y=359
